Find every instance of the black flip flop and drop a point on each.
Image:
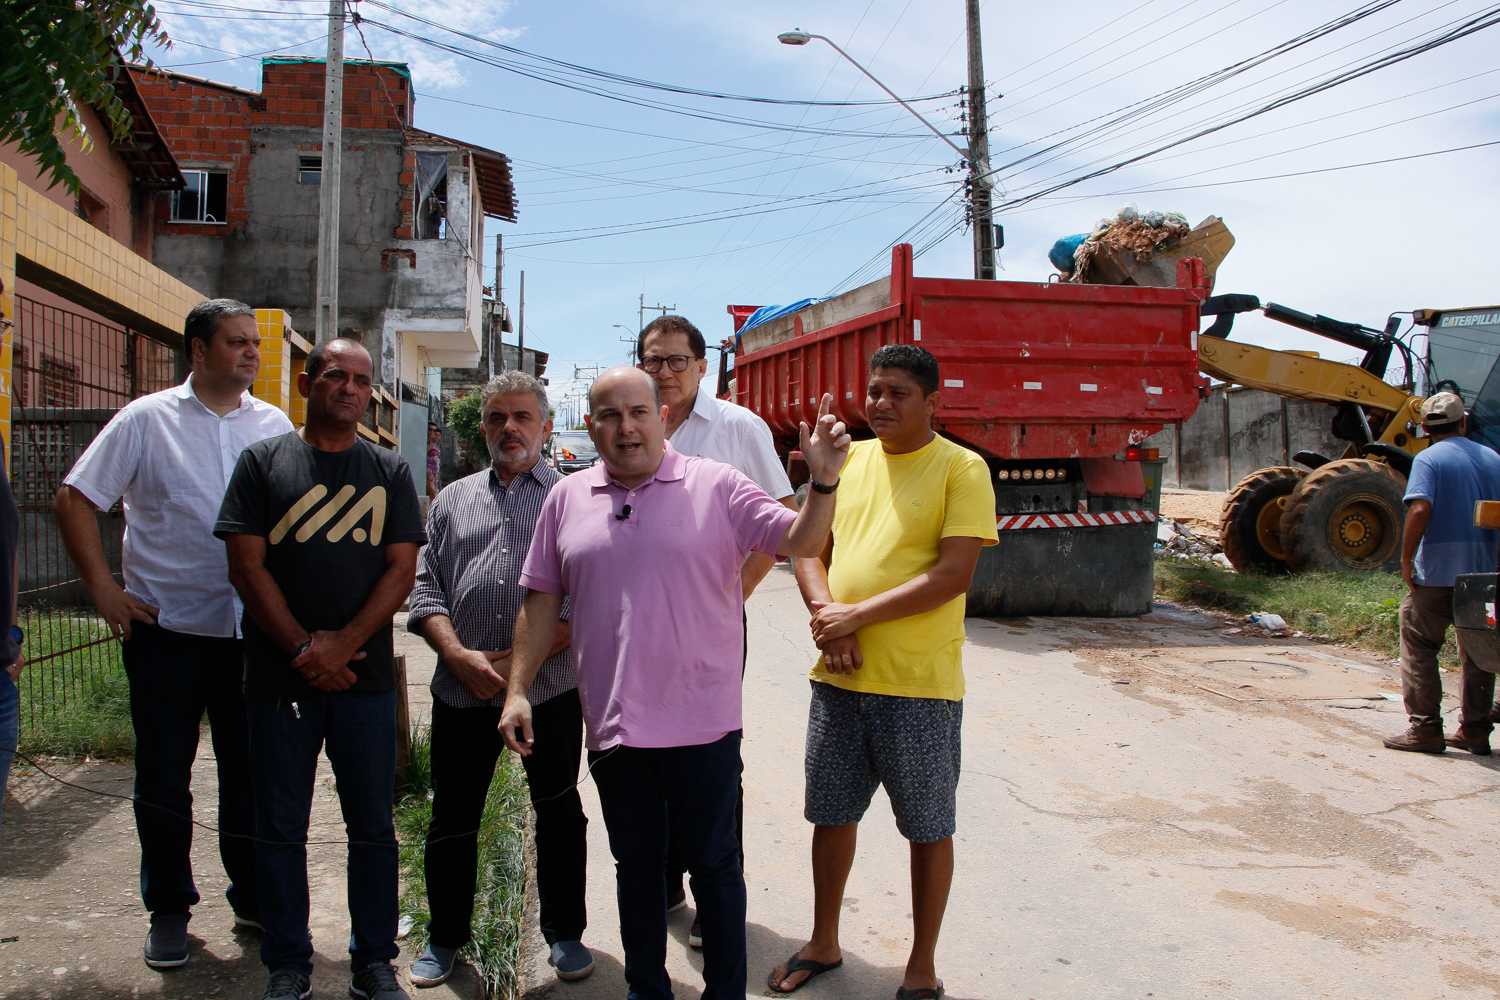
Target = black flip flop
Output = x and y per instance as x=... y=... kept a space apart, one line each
x=795 y=964
x=902 y=993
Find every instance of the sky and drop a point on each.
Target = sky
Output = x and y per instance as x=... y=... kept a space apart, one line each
x=697 y=201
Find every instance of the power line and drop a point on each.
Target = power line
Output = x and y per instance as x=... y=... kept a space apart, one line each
x=587 y=71
x=1472 y=26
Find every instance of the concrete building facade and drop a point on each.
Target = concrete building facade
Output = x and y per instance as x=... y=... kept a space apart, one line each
x=412 y=216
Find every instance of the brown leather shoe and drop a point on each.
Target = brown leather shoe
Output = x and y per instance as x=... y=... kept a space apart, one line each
x=1419 y=738
x=1476 y=743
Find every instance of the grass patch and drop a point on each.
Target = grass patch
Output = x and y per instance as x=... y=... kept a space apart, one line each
x=75 y=698
x=1360 y=609
x=500 y=897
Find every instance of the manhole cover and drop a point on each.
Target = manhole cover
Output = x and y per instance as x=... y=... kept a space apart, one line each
x=1254 y=669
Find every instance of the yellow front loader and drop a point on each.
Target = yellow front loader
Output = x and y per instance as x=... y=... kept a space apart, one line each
x=1340 y=512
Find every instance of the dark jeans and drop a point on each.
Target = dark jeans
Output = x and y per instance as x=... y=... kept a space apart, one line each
x=466 y=743
x=676 y=864
x=689 y=791
x=358 y=732
x=174 y=678
x=10 y=724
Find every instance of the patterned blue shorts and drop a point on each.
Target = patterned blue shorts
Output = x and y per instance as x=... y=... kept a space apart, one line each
x=858 y=741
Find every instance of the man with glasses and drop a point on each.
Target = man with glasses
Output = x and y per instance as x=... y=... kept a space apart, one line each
x=671 y=350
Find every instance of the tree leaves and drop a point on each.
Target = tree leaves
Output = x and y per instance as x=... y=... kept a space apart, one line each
x=59 y=56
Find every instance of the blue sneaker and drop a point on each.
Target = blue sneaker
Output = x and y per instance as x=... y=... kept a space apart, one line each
x=434 y=967
x=571 y=960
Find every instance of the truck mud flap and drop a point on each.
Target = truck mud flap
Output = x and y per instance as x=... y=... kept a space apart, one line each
x=1091 y=572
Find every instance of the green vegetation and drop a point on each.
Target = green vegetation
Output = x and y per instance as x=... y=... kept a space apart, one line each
x=60 y=54
x=78 y=704
x=463 y=417
x=1356 y=608
x=500 y=898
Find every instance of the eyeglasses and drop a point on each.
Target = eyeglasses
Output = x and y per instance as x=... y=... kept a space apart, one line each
x=677 y=363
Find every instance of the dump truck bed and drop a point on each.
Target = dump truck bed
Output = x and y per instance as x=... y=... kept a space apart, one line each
x=1029 y=369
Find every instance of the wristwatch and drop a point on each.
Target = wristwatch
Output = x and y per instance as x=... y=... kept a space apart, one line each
x=17 y=635
x=302 y=649
x=818 y=487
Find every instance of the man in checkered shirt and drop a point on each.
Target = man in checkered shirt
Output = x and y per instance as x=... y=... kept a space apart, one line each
x=465 y=603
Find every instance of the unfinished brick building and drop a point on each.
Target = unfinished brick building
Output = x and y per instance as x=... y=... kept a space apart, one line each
x=413 y=207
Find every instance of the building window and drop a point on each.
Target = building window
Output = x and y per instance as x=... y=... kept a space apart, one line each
x=432 y=196
x=91 y=209
x=205 y=199
x=59 y=382
x=309 y=170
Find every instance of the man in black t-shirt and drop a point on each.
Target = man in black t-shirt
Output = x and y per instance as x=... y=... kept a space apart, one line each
x=323 y=531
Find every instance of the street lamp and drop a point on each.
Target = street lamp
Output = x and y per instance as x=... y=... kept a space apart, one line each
x=977 y=156
x=800 y=37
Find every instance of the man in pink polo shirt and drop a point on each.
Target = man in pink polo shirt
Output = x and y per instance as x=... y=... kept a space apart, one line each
x=648 y=545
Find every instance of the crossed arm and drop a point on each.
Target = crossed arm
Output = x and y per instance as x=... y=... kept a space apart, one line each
x=834 y=624
x=326 y=662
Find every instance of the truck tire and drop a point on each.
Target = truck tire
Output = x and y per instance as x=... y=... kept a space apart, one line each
x=1250 y=524
x=1345 y=516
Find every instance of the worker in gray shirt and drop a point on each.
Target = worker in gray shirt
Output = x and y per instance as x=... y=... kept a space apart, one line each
x=465 y=604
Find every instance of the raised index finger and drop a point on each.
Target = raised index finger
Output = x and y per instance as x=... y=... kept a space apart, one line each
x=825 y=406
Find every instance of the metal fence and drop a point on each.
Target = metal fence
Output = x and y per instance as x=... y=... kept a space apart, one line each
x=70 y=373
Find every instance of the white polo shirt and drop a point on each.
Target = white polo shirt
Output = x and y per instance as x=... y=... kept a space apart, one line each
x=170 y=457
x=729 y=433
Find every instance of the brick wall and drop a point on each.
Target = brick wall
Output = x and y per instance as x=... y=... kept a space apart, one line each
x=375 y=97
x=211 y=126
x=206 y=126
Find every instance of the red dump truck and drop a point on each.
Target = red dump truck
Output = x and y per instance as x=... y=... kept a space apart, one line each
x=1054 y=384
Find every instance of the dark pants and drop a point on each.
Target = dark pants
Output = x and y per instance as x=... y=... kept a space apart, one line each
x=174 y=678
x=1425 y=616
x=676 y=863
x=689 y=792
x=466 y=743
x=358 y=732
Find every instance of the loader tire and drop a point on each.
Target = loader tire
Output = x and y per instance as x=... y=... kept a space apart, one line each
x=1347 y=515
x=1250 y=524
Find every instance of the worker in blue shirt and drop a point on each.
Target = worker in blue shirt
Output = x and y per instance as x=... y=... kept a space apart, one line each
x=1441 y=543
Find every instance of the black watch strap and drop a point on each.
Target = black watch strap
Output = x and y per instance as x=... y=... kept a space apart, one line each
x=818 y=487
x=302 y=649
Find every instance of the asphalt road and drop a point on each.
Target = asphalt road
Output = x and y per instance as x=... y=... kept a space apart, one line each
x=1225 y=824
x=1149 y=808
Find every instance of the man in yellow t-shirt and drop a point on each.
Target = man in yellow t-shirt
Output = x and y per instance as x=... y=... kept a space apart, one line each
x=887 y=695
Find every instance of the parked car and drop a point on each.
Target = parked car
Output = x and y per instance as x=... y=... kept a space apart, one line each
x=573 y=450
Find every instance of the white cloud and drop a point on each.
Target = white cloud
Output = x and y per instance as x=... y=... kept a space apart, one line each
x=296 y=27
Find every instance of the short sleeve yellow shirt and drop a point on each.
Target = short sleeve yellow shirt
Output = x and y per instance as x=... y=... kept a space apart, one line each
x=892 y=513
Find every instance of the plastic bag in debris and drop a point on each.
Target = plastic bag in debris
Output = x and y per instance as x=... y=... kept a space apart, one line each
x=1268 y=621
x=1063 y=250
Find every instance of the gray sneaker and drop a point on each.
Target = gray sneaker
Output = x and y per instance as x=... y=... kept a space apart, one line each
x=377 y=981
x=571 y=960
x=287 y=984
x=167 y=944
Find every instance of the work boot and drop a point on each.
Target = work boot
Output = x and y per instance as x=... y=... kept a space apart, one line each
x=1420 y=737
x=1475 y=742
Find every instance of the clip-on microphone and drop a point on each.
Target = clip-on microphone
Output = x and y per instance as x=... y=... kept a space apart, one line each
x=624 y=514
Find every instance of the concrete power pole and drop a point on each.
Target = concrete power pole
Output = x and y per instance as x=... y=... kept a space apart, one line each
x=979 y=154
x=327 y=317
x=499 y=311
x=521 y=329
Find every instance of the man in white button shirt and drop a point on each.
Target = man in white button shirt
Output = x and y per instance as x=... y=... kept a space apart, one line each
x=672 y=351
x=170 y=456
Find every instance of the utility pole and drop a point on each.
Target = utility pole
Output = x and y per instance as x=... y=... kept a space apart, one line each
x=521 y=329
x=499 y=311
x=327 y=316
x=979 y=154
